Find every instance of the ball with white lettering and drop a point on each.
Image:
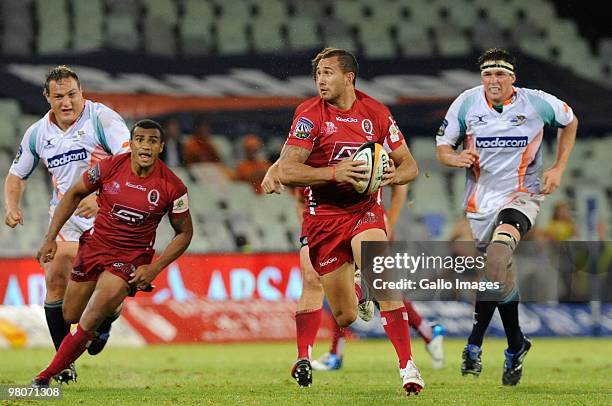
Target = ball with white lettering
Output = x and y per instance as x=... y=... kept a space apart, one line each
x=376 y=160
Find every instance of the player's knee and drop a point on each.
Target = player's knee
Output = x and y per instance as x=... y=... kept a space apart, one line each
x=345 y=318
x=70 y=314
x=311 y=281
x=56 y=283
x=498 y=258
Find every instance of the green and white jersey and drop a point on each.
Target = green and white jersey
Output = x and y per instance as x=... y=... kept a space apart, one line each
x=97 y=133
x=509 y=143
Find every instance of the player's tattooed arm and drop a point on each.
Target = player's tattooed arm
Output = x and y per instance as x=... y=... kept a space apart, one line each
x=294 y=172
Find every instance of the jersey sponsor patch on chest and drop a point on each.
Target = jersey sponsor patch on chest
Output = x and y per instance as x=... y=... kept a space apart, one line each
x=502 y=142
x=66 y=158
x=129 y=215
x=342 y=150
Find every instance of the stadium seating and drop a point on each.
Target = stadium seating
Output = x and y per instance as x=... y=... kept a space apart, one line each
x=88 y=25
x=375 y=28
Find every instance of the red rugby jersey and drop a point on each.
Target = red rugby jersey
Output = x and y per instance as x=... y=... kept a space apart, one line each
x=332 y=135
x=131 y=207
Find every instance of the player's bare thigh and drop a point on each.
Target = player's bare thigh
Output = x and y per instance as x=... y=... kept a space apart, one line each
x=110 y=291
x=339 y=287
x=373 y=234
x=76 y=298
x=57 y=272
x=312 y=290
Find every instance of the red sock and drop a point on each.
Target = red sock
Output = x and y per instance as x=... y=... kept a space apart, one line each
x=337 y=345
x=395 y=323
x=416 y=322
x=307 y=324
x=72 y=347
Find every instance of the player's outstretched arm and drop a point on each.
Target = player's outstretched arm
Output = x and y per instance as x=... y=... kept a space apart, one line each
x=566 y=137
x=403 y=168
x=145 y=274
x=449 y=157
x=66 y=206
x=13 y=190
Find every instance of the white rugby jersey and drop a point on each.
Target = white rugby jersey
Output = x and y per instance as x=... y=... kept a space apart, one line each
x=98 y=132
x=508 y=142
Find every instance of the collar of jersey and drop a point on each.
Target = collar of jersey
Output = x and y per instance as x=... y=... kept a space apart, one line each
x=54 y=121
x=508 y=101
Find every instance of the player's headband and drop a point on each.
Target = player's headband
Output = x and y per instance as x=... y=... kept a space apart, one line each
x=503 y=65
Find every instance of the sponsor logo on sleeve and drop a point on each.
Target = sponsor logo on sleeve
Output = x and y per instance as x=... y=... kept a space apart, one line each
x=394 y=130
x=18 y=155
x=303 y=128
x=93 y=174
x=442 y=128
x=181 y=205
x=502 y=142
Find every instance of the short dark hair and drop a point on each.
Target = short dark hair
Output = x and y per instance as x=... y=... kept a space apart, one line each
x=497 y=54
x=58 y=73
x=348 y=62
x=149 y=124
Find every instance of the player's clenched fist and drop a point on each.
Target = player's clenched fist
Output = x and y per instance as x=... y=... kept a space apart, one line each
x=13 y=217
x=466 y=158
x=46 y=253
x=350 y=171
x=143 y=276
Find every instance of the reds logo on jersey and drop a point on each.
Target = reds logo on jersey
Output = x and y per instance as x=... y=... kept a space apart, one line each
x=342 y=150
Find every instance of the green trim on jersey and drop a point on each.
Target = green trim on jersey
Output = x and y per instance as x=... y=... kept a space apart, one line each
x=545 y=111
x=463 y=109
x=465 y=106
x=100 y=133
x=32 y=146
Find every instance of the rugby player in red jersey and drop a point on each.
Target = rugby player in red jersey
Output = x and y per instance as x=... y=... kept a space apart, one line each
x=115 y=257
x=312 y=292
x=326 y=131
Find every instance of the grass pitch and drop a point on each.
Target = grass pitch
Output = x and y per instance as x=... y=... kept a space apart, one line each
x=557 y=371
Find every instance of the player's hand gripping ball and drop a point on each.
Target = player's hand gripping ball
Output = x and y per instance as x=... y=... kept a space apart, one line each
x=376 y=160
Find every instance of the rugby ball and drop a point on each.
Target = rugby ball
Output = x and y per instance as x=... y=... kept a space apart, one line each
x=376 y=160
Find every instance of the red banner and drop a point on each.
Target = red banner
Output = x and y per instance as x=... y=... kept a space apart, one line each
x=220 y=277
x=214 y=321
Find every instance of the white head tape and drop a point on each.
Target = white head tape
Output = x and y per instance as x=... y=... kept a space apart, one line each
x=503 y=65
